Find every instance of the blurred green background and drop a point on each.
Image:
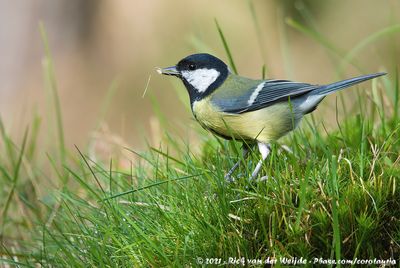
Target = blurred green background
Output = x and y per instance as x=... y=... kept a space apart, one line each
x=94 y=43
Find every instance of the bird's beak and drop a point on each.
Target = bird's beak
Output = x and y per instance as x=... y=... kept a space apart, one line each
x=169 y=71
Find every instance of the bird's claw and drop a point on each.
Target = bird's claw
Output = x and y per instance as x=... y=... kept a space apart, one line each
x=229 y=179
x=263 y=178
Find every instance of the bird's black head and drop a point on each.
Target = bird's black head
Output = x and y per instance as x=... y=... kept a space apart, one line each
x=201 y=74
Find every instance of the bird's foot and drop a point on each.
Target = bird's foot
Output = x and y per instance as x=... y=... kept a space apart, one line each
x=263 y=178
x=229 y=178
x=255 y=179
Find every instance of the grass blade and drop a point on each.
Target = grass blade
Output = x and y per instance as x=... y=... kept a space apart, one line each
x=226 y=47
x=52 y=85
x=151 y=185
x=15 y=177
x=348 y=57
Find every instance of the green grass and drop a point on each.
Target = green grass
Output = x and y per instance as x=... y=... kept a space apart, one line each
x=335 y=196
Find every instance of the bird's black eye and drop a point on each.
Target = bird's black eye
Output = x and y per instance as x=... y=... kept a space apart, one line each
x=192 y=66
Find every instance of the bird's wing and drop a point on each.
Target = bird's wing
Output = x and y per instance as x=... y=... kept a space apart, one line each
x=239 y=98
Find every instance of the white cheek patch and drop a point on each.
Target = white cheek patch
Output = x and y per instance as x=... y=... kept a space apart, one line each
x=201 y=79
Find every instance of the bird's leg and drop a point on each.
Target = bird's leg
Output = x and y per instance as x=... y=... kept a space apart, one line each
x=264 y=150
x=245 y=151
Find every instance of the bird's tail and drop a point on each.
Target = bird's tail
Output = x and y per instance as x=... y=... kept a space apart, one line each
x=311 y=100
x=327 y=89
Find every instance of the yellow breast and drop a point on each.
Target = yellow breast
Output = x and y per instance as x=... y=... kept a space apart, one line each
x=264 y=125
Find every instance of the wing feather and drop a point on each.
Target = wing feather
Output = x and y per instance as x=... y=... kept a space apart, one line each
x=256 y=98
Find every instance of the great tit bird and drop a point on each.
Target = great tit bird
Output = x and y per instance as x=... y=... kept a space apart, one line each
x=253 y=111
